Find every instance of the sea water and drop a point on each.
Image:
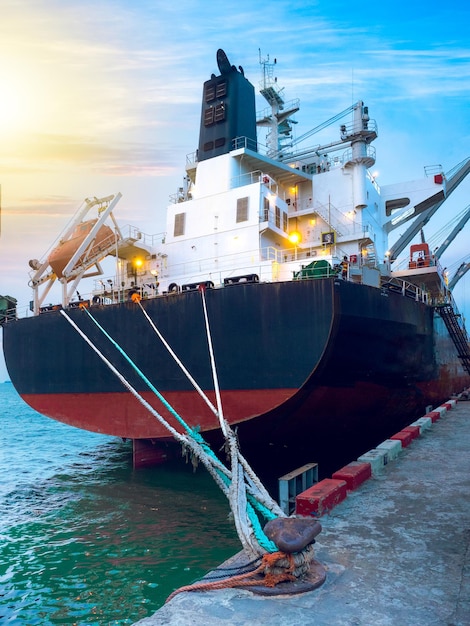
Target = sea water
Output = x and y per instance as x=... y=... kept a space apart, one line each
x=85 y=538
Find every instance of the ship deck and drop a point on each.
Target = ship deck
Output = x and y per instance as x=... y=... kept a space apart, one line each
x=396 y=550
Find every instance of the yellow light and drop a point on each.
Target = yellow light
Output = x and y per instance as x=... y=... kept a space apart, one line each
x=138 y=262
x=294 y=237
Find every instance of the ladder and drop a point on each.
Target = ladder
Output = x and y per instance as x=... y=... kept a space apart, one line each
x=457 y=333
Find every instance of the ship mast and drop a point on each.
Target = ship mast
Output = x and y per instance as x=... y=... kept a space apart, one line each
x=277 y=116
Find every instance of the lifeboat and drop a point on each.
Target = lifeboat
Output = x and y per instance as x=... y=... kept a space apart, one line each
x=61 y=254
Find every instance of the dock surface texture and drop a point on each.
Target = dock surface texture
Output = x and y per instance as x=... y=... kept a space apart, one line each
x=396 y=550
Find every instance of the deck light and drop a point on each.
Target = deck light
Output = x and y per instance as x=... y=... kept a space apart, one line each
x=294 y=237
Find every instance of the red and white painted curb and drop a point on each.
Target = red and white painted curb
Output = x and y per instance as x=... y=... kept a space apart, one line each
x=319 y=499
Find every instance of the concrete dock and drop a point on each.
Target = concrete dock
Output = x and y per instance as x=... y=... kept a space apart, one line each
x=396 y=550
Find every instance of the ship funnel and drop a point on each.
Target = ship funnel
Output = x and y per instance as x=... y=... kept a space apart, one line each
x=228 y=115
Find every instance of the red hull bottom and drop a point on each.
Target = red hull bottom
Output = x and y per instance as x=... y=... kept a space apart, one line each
x=122 y=415
x=329 y=426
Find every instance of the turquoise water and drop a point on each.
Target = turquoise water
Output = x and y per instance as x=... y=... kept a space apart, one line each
x=84 y=538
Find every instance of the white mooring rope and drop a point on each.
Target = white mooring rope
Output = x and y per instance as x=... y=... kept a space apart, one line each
x=235 y=484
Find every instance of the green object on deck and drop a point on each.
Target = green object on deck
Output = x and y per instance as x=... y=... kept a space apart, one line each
x=316 y=269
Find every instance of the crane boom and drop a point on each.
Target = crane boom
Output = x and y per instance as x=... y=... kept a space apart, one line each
x=460 y=273
x=453 y=179
x=461 y=223
x=325 y=124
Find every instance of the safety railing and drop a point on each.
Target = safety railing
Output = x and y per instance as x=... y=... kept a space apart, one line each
x=407 y=289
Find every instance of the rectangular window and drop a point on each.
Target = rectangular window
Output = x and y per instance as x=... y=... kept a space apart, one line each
x=266 y=209
x=242 y=209
x=278 y=217
x=180 y=219
x=284 y=221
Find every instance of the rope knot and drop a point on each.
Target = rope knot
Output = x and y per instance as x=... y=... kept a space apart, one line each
x=275 y=570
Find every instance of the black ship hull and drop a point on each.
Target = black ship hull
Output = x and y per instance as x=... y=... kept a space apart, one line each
x=307 y=369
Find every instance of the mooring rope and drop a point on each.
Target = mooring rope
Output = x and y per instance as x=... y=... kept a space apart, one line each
x=193 y=440
x=248 y=526
x=223 y=424
x=275 y=567
x=136 y=298
x=262 y=495
x=259 y=497
x=237 y=491
x=247 y=496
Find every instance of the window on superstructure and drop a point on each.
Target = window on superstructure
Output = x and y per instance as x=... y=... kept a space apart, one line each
x=242 y=209
x=278 y=217
x=266 y=209
x=395 y=204
x=284 y=221
x=180 y=219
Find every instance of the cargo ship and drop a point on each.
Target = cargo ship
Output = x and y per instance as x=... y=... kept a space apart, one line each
x=321 y=342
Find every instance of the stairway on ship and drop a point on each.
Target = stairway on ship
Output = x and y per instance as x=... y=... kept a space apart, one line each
x=458 y=335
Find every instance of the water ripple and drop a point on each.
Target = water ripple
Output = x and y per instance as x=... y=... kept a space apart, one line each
x=85 y=539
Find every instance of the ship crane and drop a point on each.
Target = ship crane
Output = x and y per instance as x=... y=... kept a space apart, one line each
x=460 y=224
x=460 y=273
x=428 y=208
x=277 y=119
x=362 y=129
x=320 y=127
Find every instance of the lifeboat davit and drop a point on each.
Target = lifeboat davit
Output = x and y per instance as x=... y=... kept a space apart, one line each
x=61 y=254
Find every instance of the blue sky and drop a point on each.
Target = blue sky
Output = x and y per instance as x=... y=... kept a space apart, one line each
x=104 y=96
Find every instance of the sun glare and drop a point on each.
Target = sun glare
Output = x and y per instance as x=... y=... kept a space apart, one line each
x=17 y=102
